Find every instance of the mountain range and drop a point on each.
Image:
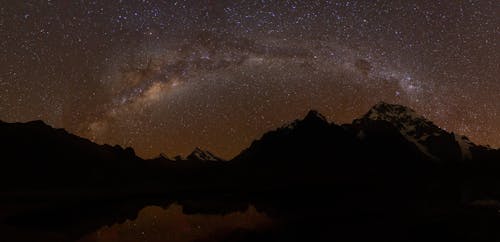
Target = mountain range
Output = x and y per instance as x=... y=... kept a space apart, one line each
x=389 y=147
x=392 y=174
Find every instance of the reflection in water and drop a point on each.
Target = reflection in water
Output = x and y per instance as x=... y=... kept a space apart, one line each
x=157 y=224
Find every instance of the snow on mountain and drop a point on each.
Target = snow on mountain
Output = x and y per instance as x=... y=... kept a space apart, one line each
x=202 y=155
x=465 y=144
x=405 y=119
x=164 y=156
x=414 y=127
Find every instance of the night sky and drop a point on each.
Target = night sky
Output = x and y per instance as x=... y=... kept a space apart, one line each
x=168 y=76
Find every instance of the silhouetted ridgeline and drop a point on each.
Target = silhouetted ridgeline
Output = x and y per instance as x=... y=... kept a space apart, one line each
x=36 y=156
x=390 y=148
x=391 y=173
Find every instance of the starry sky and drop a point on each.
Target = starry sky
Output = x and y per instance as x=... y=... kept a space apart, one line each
x=169 y=76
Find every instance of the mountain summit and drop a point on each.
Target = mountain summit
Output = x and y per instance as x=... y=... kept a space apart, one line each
x=391 y=165
x=433 y=141
x=202 y=155
x=387 y=136
x=398 y=114
x=315 y=116
x=409 y=122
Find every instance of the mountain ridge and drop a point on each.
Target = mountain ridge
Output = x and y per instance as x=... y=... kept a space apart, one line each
x=308 y=150
x=415 y=128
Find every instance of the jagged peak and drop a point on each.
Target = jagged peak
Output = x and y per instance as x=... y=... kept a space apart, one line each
x=402 y=117
x=200 y=154
x=197 y=152
x=314 y=115
x=392 y=112
x=413 y=126
x=164 y=156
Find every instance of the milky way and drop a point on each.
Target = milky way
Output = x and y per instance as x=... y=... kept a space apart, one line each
x=168 y=76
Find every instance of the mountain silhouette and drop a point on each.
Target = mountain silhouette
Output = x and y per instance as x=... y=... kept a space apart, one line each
x=433 y=141
x=35 y=156
x=391 y=168
x=382 y=121
x=203 y=155
x=388 y=147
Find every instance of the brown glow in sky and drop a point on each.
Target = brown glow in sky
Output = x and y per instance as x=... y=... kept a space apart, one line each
x=167 y=76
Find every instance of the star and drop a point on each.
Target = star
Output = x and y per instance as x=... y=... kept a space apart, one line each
x=168 y=76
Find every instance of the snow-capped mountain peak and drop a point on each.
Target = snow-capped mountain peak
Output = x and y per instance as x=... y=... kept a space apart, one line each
x=414 y=127
x=199 y=154
x=396 y=114
x=409 y=122
x=164 y=156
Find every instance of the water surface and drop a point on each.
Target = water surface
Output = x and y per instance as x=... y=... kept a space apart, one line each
x=155 y=223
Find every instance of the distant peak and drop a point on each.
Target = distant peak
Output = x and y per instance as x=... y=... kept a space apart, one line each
x=199 y=154
x=37 y=123
x=198 y=151
x=315 y=115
